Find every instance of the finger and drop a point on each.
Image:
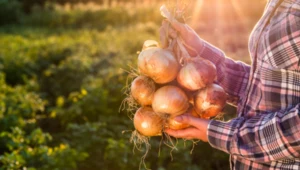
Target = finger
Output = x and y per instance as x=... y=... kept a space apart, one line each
x=168 y=29
x=163 y=37
x=165 y=23
x=178 y=26
x=187 y=133
x=187 y=119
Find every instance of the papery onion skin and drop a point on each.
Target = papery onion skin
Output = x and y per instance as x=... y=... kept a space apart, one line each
x=147 y=122
x=142 y=90
x=210 y=101
x=170 y=100
x=158 y=64
x=197 y=74
x=173 y=124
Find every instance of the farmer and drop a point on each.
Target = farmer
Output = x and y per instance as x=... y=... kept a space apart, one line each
x=266 y=133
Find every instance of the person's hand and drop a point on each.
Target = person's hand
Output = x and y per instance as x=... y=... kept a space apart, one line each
x=191 y=40
x=197 y=130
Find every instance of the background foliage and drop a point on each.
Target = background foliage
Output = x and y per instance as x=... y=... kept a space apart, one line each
x=62 y=71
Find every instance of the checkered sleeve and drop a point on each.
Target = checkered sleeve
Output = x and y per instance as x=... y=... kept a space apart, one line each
x=262 y=138
x=231 y=75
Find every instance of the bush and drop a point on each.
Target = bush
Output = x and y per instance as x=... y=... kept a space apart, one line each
x=31 y=151
x=23 y=143
x=74 y=81
x=10 y=11
x=55 y=16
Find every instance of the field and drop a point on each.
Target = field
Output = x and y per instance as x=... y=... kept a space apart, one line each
x=63 y=70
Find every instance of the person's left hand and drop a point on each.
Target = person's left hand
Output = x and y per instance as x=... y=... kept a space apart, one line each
x=197 y=130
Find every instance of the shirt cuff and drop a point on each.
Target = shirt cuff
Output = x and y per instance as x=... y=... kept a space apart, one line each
x=220 y=134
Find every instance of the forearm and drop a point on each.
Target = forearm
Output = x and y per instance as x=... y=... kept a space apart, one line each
x=263 y=138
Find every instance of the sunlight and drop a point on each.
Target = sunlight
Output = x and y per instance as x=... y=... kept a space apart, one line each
x=240 y=14
x=220 y=18
x=223 y=11
x=196 y=12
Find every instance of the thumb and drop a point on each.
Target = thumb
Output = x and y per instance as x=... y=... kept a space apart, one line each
x=187 y=119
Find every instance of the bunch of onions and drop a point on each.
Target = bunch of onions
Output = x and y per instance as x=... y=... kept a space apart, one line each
x=142 y=90
x=197 y=74
x=158 y=64
x=193 y=88
x=171 y=83
x=180 y=88
x=210 y=101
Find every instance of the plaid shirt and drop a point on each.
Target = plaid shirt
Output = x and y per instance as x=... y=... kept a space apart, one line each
x=266 y=133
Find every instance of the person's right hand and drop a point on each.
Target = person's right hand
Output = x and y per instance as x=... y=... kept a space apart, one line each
x=191 y=40
x=197 y=130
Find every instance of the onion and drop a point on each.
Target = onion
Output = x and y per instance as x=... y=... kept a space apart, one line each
x=197 y=74
x=210 y=101
x=173 y=124
x=142 y=90
x=158 y=64
x=147 y=122
x=170 y=100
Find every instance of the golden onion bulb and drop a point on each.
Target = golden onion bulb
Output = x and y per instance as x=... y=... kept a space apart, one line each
x=170 y=100
x=158 y=64
x=142 y=90
x=197 y=74
x=210 y=101
x=147 y=122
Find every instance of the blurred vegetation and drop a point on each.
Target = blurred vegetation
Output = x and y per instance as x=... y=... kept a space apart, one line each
x=62 y=71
